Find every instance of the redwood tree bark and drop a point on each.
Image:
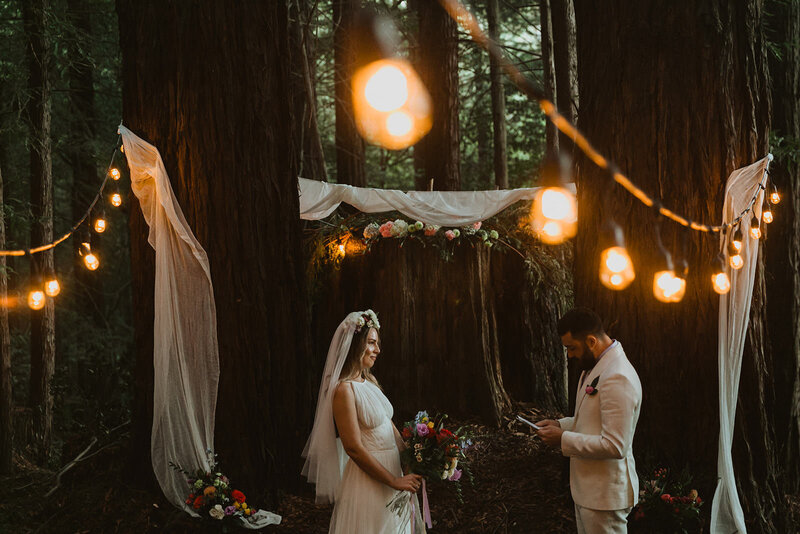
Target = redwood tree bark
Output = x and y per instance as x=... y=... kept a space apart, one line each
x=349 y=144
x=498 y=103
x=679 y=98
x=565 y=55
x=218 y=108
x=438 y=67
x=548 y=71
x=783 y=243
x=6 y=397
x=43 y=345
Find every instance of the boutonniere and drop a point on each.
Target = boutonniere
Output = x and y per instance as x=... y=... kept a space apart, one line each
x=591 y=389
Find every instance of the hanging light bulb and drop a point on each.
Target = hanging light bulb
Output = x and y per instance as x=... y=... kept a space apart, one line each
x=774 y=197
x=36 y=299
x=680 y=280
x=719 y=278
x=755 y=229
x=554 y=216
x=666 y=285
x=737 y=239
x=341 y=249
x=391 y=106
x=734 y=257
x=90 y=260
x=114 y=173
x=100 y=224
x=766 y=215
x=51 y=286
x=116 y=200
x=616 y=267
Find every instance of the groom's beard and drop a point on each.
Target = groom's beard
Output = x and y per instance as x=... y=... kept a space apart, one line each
x=587 y=361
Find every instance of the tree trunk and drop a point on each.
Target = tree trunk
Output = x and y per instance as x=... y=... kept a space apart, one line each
x=6 y=398
x=349 y=144
x=548 y=71
x=783 y=243
x=313 y=158
x=41 y=188
x=565 y=57
x=233 y=168
x=679 y=119
x=88 y=288
x=498 y=103
x=438 y=69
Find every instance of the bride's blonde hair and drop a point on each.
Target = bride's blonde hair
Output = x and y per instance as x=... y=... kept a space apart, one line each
x=352 y=363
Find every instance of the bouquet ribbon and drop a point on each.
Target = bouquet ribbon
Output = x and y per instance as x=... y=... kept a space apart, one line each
x=426 y=511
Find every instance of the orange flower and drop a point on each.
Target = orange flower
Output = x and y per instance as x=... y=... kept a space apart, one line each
x=210 y=491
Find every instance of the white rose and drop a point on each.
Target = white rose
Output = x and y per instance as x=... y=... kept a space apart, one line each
x=217 y=512
x=399 y=228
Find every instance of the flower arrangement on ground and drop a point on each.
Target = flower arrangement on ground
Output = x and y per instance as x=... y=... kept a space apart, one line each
x=435 y=452
x=211 y=495
x=667 y=504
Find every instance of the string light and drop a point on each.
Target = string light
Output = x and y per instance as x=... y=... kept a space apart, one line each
x=100 y=223
x=667 y=286
x=766 y=212
x=391 y=106
x=616 y=267
x=737 y=239
x=114 y=173
x=51 y=286
x=755 y=229
x=36 y=299
x=555 y=211
x=116 y=200
x=719 y=278
x=774 y=197
x=91 y=260
x=734 y=257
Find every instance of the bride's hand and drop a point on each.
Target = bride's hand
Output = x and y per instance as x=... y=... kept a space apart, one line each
x=407 y=483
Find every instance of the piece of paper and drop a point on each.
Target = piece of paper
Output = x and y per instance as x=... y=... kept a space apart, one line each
x=535 y=426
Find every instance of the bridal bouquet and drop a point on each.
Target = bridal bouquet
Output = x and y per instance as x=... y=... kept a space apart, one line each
x=210 y=494
x=435 y=452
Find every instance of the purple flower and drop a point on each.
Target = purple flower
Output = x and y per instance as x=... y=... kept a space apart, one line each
x=422 y=429
x=229 y=510
x=456 y=476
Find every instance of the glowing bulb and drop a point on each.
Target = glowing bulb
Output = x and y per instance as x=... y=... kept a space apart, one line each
x=114 y=173
x=116 y=200
x=100 y=225
x=341 y=249
x=391 y=106
x=555 y=215
x=736 y=262
x=666 y=286
x=399 y=123
x=616 y=268
x=91 y=261
x=767 y=216
x=737 y=245
x=387 y=89
x=775 y=198
x=755 y=232
x=52 y=287
x=36 y=299
x=721 y=282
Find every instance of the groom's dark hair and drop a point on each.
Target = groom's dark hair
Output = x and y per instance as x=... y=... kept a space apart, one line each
x=580 y=322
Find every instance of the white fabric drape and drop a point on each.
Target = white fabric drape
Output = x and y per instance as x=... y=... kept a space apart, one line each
x=734 y=314
x=442 y=208
x=185 y=354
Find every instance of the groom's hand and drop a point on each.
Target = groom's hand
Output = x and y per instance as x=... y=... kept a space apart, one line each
x=550 y=434
x=548 y=422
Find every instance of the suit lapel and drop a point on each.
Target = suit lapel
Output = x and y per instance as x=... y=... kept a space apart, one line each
x=604 y=362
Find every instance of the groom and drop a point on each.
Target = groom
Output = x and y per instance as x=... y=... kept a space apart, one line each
x=599 y=438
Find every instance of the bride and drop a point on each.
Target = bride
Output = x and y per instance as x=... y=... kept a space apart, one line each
x=360 y=472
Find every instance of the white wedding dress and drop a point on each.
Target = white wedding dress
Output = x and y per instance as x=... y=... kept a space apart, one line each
x=361 y=501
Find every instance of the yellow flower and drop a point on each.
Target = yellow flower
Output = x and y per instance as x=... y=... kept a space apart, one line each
x=424 y=419
x=209 y=491
x=430 y=425
x=237 y=505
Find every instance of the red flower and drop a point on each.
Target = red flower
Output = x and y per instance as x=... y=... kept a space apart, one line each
x=406 y=433
x=238 y=496
x=189 y=501
x=665 y=497
x=699 y=500
x=443 y=435
x=198 y=503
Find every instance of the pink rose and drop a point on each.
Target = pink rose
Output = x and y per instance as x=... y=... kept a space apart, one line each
x=456 y=476
x=386 y=229
x=422 y=429
x=589 y=390
x=477 y=225
x=449 y=235
x=431 y=229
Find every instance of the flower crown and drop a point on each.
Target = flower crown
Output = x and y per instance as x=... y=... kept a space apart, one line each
x=369 y=319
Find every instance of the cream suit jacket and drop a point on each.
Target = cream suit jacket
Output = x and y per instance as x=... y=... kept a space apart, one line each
x=599 y=438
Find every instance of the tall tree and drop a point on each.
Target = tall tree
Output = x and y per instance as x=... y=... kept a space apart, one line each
x=565 y=55
x=548 y=70
x=437 y=59
x=679 y=122
x=80 y=74
x=350 y=167
x=498 y=102
x=233 y=168
x=6 y=397
x=41 y=189
x=782 y=249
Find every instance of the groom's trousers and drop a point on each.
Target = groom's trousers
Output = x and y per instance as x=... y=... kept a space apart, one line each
x=591 y=521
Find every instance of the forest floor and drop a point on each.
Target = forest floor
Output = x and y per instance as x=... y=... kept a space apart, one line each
x=521 y=486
